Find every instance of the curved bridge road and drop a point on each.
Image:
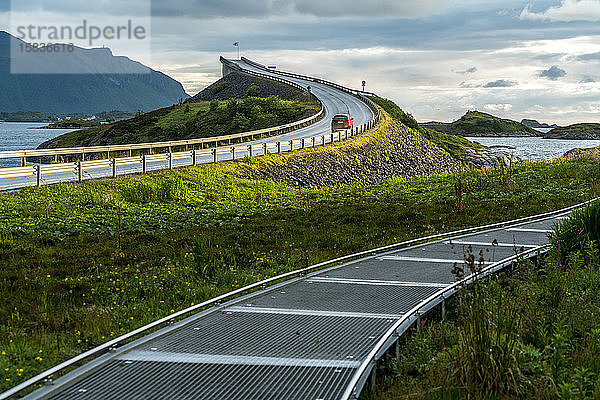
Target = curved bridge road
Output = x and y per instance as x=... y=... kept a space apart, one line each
x=313 y=337
x=334 y=102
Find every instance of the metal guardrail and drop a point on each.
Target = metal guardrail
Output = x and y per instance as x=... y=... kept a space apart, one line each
x=357 y=382
x=216 y=154
x=358 y=93
x=38 y=170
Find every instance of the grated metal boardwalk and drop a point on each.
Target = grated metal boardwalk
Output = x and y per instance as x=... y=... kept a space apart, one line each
x=302 y=339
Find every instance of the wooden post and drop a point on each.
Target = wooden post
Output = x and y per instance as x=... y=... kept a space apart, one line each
x=144 y=163
x=38 y=173
x=114 y=167
x=233 y=153
x=193 y=157
x=278 y=147
x=250 y=150
x=214 y=152
x=79 y=172
x=291 y=145
x=303 y=143
x=170 y=158
x=24 y=162
x=313 y=141
x=130 y=152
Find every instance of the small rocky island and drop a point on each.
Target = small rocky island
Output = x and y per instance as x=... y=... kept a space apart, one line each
x=590 y=131
x=480 y=124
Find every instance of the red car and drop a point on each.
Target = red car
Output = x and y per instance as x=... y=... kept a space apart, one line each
x=341 y=121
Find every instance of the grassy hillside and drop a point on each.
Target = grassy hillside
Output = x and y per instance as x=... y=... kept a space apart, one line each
x=81 y=264
x=454 y=145
x=189 y=121
x=528 y=334
x=576 y=131
x=475 y=123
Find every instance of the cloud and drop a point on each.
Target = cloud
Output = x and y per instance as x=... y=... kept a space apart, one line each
x=553 y=73
x=318 y=8
x=498 y=107
x=587 y=79
x=568 y=10
x=500 y=83
x=469 y=85
x=589 y=56
x=468 y=71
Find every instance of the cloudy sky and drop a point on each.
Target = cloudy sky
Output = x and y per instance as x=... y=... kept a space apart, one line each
x=436 y=58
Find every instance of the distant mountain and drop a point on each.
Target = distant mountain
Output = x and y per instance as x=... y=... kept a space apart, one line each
x=84 y=87
x=479 y=124
x=588 y=131
x=532 y=123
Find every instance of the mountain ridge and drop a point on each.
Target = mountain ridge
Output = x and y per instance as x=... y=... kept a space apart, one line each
x=84 y=88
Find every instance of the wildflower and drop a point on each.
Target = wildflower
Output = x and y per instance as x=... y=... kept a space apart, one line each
x=38 y=358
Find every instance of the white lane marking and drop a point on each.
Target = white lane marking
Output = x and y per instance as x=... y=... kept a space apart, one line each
x=529 y=230
x=318 y=313
x=376 y=282
x=224 y=359
x=531 y=246
x=420 y=259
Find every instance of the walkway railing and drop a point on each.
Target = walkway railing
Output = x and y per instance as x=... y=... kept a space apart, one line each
x=360 y=376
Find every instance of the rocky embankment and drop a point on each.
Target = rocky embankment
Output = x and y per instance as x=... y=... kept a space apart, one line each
x=236 y=85
x=490 y=157
x=391 y=150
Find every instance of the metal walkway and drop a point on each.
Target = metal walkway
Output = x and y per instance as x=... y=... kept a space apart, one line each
x=314 y=337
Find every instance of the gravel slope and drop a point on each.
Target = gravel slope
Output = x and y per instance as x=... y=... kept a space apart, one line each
x=239 y=83
x=389 y=151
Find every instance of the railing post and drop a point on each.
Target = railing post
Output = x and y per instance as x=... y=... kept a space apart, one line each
x=278 y=147
x=214 y=153
x=264 y=146
x=250 y=150
x=194 y=157
x=24 y=162
x=323 y=140
x=38 y=173
x=130 y=152
x=443 y=308
x=291 y=145
x=170 y=158
x=233 y=153
x=83 y=155
x=114 y=167
x=144 y=163
x=303 y=143
x=79 y=172
x=331 y=141
x=313 y=141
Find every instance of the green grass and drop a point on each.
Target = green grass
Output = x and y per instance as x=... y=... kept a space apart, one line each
x=530 y=333
x=455 y=145
x=80 y=264
x=190 y=121
x=577 y=128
